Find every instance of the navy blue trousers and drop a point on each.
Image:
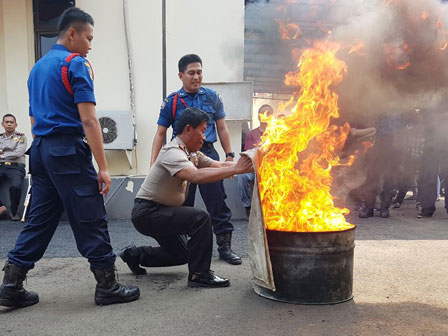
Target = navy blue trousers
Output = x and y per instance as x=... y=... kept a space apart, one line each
x=63 y=177
x=213 y=195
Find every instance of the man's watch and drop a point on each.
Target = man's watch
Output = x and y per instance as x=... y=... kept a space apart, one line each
x=231 y=154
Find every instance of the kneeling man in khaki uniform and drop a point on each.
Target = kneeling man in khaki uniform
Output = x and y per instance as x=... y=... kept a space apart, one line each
x=158 y=210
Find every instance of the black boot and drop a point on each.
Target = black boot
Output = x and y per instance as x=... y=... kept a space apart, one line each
x=384 y=213
x=12 y=293
x=366 y=212
x=224 y=248
x=130 y=256
x=109 y=291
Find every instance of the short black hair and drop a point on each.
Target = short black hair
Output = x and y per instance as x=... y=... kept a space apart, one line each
x=9 y=115
x=72 y=17
x=191 y=116
x=188 y=59
x=266 y=107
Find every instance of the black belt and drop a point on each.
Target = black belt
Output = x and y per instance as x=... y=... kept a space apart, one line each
x=207 y=145
x=150 y=203
x=7 y=163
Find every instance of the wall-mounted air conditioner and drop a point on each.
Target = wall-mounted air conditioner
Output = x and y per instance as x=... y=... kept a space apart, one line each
x=118 y=128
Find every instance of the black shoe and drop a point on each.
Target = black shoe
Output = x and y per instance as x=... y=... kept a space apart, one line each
x=366 y=213
x=130 y=256
x=12 y=293
x=109 y=291
x=15 y=218
x=208 y=279
x=424 y=215
x=225 y=251
x=384 y=213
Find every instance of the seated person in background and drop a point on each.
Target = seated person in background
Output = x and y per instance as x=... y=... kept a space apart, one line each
x=159 y=212
x=12 y=164
x=246 y=181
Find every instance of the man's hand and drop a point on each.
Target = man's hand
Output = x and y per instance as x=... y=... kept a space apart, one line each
x=230 y=158
x=244 y=165
x=103 y=182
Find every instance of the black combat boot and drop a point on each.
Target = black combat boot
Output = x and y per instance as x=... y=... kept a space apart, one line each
x=109 y=291
x=366 y=212
x=224 y=248
x=12 y=293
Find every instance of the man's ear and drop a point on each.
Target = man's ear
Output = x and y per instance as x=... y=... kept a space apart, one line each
x=180 y=74
x=70 y=32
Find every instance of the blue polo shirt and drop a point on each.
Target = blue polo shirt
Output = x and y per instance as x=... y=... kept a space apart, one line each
x=54 y=109
x=205 y=99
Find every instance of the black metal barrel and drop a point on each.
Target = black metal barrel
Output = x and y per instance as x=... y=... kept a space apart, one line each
x=311 y=267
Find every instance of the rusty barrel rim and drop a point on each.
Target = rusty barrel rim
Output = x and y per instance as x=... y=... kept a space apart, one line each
x=268 y=294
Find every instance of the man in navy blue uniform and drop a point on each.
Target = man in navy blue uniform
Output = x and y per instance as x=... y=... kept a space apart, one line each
x=66 y=133
x=192 y=94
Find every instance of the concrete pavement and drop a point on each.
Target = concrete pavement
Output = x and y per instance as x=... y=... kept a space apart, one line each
x=400 y=288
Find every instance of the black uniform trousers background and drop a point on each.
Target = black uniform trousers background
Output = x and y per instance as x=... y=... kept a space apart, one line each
x=434 y=163
x=383 y=161
x=14 y=175
x=63 y=177
x=165 y=224
x=214 y=196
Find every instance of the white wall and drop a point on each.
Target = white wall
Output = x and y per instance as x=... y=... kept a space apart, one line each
x=16 y=61
x=3 y=87
x=214 y=29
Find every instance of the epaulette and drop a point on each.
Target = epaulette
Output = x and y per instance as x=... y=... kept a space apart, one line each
x=171 y=94
x=21 y=134
x=1 y=134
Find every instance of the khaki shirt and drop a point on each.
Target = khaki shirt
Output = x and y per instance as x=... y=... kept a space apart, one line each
x=13 y=147
x=162 y=185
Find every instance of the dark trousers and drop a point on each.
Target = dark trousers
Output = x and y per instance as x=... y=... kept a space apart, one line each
x=383 y=163
x=14 y=175
x=167 y=225
x=434 y=163
x=64 y=178
x=213 y=195
x=407 y=178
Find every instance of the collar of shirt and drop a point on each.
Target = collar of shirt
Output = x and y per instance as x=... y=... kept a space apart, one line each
x=59 y=47
x=183 y=94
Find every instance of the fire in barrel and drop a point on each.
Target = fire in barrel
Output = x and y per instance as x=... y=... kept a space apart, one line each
x=310 y=243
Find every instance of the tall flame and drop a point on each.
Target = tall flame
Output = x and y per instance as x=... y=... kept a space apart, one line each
x=298 y=151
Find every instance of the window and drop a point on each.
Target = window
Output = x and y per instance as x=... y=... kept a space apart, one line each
x=46 y=15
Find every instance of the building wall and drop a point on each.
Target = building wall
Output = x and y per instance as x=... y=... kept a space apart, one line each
x=220 y=45
x=214 y=29
x=16 y=55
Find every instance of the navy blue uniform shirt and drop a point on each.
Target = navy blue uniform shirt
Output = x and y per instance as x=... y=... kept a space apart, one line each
x=205 y=99
x=54 y=109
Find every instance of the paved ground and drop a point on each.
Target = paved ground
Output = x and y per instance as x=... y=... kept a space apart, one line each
x=400 y=288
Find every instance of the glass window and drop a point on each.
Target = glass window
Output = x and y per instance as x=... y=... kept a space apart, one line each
x=46 y=16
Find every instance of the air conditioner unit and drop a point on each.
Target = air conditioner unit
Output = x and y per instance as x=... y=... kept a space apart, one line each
x=118 y=128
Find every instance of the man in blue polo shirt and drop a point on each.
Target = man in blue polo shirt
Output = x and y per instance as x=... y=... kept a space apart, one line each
x=66 y=133
x=192 y=94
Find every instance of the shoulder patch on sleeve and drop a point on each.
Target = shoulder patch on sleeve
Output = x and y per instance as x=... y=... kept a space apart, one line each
x=89 y=68
x=163 y=104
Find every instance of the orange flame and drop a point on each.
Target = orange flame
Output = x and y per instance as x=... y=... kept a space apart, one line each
x=298 y=151
x=445 y=45
x=289 y=31
x=357 y=48
x=397 y=55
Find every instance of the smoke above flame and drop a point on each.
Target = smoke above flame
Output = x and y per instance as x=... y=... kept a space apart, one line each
x=395 y=50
